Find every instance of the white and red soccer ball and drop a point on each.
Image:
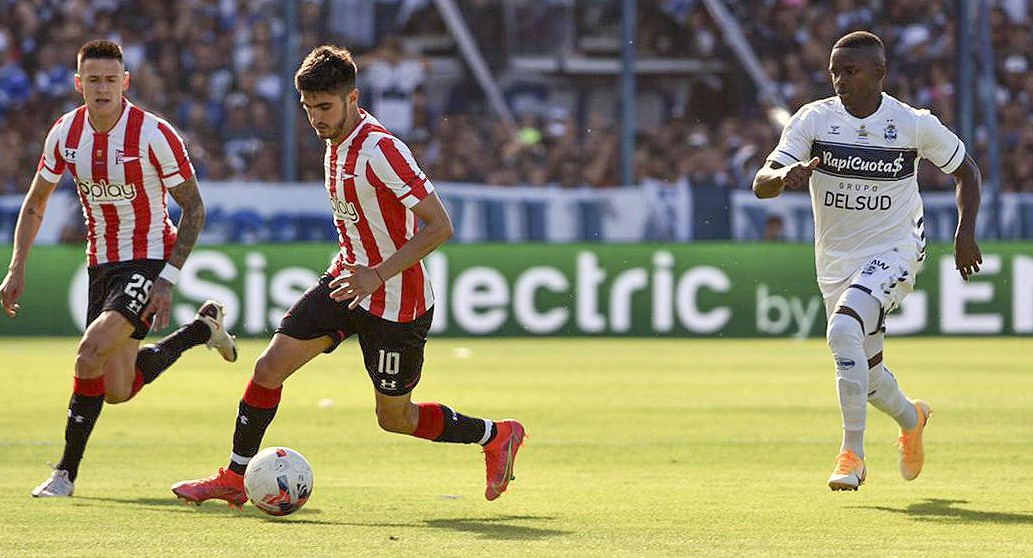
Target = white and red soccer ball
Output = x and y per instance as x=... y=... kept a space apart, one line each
x=278 y=481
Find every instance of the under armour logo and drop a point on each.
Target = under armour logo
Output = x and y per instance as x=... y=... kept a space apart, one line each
x=79 y=419
x=242 y=419
x=388 y=384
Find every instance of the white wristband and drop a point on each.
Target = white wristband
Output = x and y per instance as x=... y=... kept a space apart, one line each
x=169 y=273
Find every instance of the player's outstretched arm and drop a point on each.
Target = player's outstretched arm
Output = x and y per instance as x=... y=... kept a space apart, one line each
x=190 y=224
x=29 y=220
x=361 y=282
x=773 y=178
x=966 y=251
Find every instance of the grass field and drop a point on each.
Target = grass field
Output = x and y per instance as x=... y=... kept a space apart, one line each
x=637 y=448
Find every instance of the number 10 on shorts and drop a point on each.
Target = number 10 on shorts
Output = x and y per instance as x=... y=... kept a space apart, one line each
x=388 y=363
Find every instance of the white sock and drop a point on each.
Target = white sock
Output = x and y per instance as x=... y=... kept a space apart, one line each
x=857 y=312
x=883 y=391
x=887 y=397
x=853 y=440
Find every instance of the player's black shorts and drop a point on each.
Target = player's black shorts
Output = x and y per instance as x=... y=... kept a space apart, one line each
x=392 y=351
x=124 y=287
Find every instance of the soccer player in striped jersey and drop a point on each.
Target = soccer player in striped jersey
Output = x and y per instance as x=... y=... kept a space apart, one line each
x=123 y=161
x=859 y=153
x=376 y=288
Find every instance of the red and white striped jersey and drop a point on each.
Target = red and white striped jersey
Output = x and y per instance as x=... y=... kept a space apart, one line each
x=122 y=177
x=373 y=182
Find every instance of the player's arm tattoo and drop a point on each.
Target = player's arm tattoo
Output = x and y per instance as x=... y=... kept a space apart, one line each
x=34 y=213
x=190 y=223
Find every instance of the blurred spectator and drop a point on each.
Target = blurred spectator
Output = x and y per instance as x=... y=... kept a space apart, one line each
x=215 y=68
x=392 y=77
x=15 y=87
x=774 y=229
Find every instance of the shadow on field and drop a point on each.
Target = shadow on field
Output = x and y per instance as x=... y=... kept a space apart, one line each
x=498 y=528
x=170 y=504
x=937 y=509
x=501 y=527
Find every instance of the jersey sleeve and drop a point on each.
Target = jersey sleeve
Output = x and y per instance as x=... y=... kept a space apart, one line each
x=795 y=144
x=52 y=162
x=394 y=166
x=168 y=154
x=938 y=144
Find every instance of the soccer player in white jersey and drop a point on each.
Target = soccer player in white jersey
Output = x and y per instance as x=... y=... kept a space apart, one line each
x=859 y=152
x=376 y=288
x=123 y=160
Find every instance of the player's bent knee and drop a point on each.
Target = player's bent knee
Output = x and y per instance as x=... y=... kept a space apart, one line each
x=268 y=373
x=87 y=359
x=844 y=330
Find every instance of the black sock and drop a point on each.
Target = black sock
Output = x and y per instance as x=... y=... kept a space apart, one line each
x=83 y=411
x=152 y=360
x=461 y=429
x=252 y=423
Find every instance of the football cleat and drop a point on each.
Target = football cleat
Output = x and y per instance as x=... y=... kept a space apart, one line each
x=224 y=485
x=849 y=472
x=212 y=314
x=912 y=454
x=57 y=486
x=499 y=456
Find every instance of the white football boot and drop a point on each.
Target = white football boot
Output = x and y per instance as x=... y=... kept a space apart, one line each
x=57 y=486
x=212 y=314
x=849 y=473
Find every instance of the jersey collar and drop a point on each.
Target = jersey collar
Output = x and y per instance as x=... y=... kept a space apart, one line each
x=363 y=119
x=882 y=106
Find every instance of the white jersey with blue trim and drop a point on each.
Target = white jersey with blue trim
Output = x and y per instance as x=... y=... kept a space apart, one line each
x=865 y=189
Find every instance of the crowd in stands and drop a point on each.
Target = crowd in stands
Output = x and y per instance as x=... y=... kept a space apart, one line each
x=215 y=69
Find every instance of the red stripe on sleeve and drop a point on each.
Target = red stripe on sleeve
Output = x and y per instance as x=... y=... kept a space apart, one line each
x=59 y=161
x=182 y=161
x=406 y=172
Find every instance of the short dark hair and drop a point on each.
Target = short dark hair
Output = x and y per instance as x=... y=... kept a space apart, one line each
x=100 y=48
x=327 y=68
x=860 y=39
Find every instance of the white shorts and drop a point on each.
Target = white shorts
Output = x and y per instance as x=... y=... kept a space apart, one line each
x=889 y=277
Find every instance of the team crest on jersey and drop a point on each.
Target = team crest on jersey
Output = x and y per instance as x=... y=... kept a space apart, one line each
x=121 y=159
x=344 y=210
x=890 y=133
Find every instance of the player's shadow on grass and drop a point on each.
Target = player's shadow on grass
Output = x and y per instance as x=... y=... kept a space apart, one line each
x=503 y=527
x=499 y=528
x=173 y=504
x=942 y=510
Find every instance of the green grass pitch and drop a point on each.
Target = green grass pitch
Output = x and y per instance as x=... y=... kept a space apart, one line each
x=637 y=448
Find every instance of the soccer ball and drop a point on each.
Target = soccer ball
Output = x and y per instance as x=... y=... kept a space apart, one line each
x=278 y=481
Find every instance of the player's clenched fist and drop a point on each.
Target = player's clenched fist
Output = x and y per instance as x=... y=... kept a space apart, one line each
x=797 y=175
